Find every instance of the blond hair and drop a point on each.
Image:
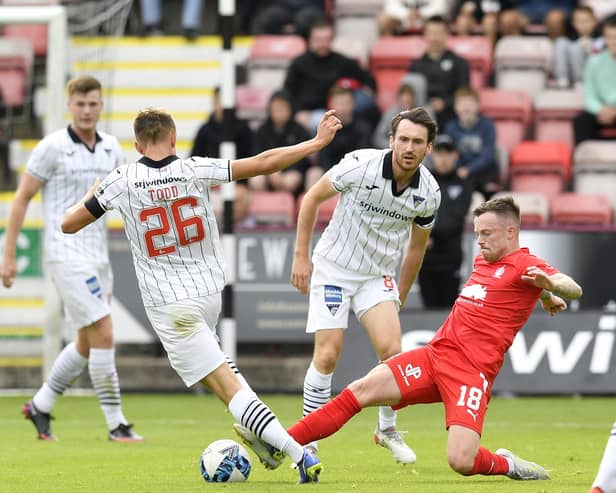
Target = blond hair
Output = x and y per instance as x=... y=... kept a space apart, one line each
x=83 y=85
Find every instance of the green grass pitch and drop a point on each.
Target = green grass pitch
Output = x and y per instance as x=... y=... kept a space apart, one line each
x=566 y=435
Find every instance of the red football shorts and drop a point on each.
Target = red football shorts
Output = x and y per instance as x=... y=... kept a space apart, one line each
x=423 y=378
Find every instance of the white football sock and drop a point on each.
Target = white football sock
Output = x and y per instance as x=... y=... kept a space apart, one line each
x=606 y=476
x=387 y=417
x=66 y=368
x=317 y=391
x=252 y=413
x=104 y=377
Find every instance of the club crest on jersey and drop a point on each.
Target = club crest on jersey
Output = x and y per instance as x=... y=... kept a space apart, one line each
x=474 y=292
x=94 y=286
x=499 y=272
x=333 y=297
x=417 y=200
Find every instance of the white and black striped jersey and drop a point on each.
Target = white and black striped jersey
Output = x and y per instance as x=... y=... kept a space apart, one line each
x=68 y=169
x=371 y=223
x=170 y=224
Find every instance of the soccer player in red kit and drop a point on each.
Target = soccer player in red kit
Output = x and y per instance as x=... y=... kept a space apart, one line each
x=459 y=365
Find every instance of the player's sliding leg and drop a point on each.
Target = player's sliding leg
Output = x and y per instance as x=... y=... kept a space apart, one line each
x=605 y=482
x=521 y=469
x=66 y=368
x=104 y=377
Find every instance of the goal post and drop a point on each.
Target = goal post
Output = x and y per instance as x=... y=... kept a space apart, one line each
x=54 y=16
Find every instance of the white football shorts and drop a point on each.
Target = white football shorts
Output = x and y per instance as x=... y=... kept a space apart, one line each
x=85 y=291
x=334 y=291
x=187 y=330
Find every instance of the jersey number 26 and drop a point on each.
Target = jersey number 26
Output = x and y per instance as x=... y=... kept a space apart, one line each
x=181 y=226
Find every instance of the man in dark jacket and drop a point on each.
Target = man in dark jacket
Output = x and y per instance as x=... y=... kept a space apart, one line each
x=311 y=75
x=445 y=72
x=439 y=278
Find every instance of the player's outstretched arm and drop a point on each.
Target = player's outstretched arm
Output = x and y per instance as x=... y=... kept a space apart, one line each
x=273 y=160
x=28 y=186
x=78 y=216
x=558 y=284
x=315 y=196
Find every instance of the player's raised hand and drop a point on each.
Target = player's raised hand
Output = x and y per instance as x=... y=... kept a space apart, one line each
x=8 y=270
x=328 y=126
x=300 y=274
x=535 y=276
x=554 y=304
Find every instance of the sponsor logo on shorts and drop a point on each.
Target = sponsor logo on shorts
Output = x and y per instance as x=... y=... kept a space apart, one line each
x=94 y=286
x=333 y=297
x=409 y=371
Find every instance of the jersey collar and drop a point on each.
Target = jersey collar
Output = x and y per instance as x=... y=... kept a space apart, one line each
x=77 y=140
x=150 y=163
x=388 y=174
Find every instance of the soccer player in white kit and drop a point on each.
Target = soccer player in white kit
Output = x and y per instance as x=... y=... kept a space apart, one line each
x=384 y=195
x=64 y=164
x=605 y=481
x=179 y=262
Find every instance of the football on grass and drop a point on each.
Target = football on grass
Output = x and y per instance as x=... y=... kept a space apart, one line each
x=225 y=461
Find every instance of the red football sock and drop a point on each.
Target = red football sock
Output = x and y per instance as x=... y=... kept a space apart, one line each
x=596 y=489
x=326 y=420
x=489 y=464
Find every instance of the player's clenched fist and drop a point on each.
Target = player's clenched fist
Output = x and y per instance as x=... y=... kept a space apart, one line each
x=300 y=274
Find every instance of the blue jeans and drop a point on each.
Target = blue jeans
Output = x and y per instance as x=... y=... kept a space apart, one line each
x=151 y=11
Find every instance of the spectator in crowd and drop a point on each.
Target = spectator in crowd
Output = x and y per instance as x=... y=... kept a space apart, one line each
x=151 y=13
x=478 y=12
x=439 y=277
x=536 y=11
x=475 y=138
x=207 y=144
x=311 y=75
x=445 y=72
x=280 y=130
x=599 y=89
x=355 y=133
x=403 y=16
x=405 y=100
x=289 y=17
x=570 y=55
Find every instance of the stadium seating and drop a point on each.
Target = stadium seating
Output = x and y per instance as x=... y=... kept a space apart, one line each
x=272 y=208
x=477 y=50
x=326 y=210
x=534 y=207
x=580 y=209
x=358 y=19
x=511 y=111
x=251 y=102
x=543 y=167
x=16 y=57
x=554 y=110
x=522 y=62
x=594 y=169
x=269 y=58
x=353 y=48
x=36 y=34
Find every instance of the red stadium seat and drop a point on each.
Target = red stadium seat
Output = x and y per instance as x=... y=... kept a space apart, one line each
x=15 y=70
x=595 y=155
x=511 y=112
x=274 y=208
x=387 y=83
x=575 y=208
x=533 y=156
x=36 y=34
x=554 y=110
x=251 y=102
x=509 y=133
x=326 y=210
x=269 y=58
x=477 y=50
x=522 y=62
x=549 y=184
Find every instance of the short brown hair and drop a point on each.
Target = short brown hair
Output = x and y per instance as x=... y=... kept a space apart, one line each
x=152 y=125
x=503 y=206
x=419 y=116
x=83 y=85
x=466 y=91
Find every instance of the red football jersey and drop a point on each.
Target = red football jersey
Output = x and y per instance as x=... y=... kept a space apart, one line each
x=492 y=307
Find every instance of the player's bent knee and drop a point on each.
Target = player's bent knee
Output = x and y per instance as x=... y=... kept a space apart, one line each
x=325 y=360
